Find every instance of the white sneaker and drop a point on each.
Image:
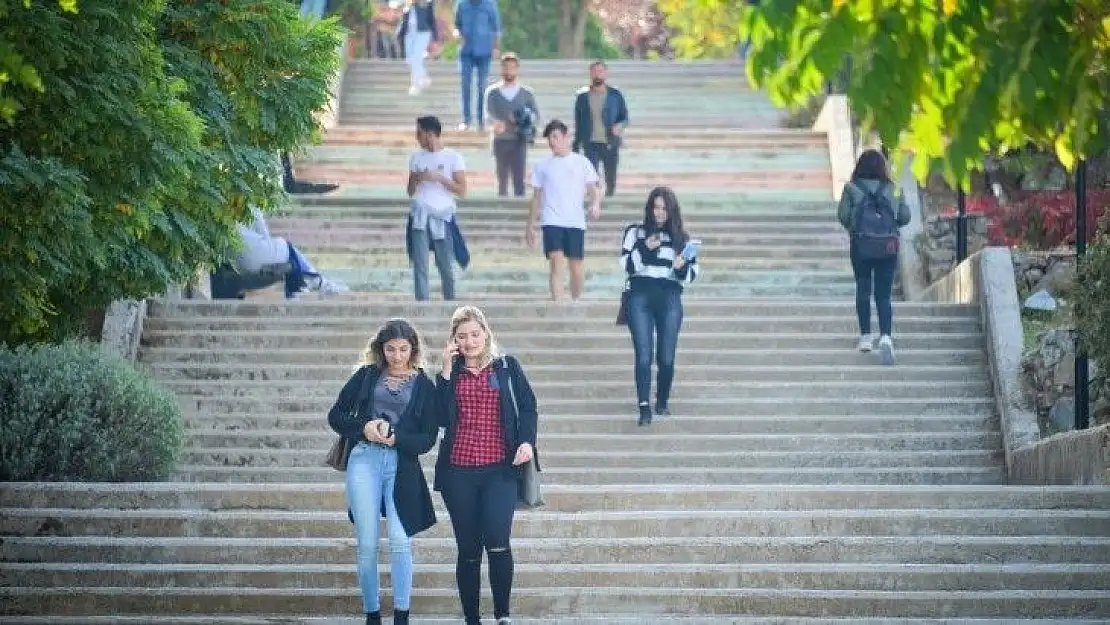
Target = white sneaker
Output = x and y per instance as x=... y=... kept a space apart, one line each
x=332 y=287
x=414 y=90
x=886 y=350
x=866 y=343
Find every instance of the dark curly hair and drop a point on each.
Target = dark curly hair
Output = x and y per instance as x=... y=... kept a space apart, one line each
x=398 y=328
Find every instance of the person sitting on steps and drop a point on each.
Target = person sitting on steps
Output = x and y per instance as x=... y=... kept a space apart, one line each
x=260 y=249
x=659 y=258
x=872 y=210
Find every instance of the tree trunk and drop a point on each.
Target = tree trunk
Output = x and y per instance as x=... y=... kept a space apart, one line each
x=572 y=28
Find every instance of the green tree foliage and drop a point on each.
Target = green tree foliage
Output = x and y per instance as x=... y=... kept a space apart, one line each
x=531 y=29
x=149 y=130
x=948 y=81
x=74 y=412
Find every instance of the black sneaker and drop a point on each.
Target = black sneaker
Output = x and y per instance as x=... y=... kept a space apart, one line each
x=661 y=410
x=645 y=415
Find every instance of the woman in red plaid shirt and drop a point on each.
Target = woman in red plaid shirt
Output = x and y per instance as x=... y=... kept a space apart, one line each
x=488 y=440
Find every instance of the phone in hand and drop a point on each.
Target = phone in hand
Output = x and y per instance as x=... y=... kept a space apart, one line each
x=690 y=251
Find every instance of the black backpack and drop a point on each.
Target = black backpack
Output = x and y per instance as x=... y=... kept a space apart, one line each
x=876 y=227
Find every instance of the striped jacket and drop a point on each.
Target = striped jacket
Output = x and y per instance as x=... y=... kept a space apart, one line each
x=641 y=263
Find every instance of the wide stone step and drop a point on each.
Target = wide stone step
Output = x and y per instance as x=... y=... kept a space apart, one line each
x=548 y=600
x=300 y=375
x=644 y=181
x=877 y=577
x=631 y=194
x=355 y=259
x=155 y=523
x=622 y=207
x=736 y=443
x=723 y=244
x=786 y=405
x=541 y=357
x=688 y=476
x=790 y=465
x=739 y=390
x=690 y=424
x=514 y=222
x=504 y=307
x=597 y=325
x=513 y=341
x=489 y=213
x=312 y=497
x=594 y=619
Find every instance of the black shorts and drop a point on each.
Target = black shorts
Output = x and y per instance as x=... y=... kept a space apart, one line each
x=570 y=241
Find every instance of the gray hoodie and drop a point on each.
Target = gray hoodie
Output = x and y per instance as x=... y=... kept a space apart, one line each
x=854 y=194
x=497 y=107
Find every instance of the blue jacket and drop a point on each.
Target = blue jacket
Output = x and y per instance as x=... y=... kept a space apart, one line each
x=479 y=24
x=454 y=233
x=613 y=112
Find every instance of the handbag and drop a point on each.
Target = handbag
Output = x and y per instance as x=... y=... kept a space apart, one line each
x=622 y=312
x=340 y=451
x=530 y=495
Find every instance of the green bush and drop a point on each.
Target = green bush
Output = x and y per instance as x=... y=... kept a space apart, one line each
x=530 y=30
x=1092 y=302
x=75 y=412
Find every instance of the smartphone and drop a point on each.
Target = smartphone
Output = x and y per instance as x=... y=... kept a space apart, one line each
x=691 y=250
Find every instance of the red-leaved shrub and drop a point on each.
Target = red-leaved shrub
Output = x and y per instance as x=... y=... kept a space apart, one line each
x=1041 y=220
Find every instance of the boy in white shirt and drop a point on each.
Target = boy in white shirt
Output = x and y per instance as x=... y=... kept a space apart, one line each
x=561 y=185
x=437 y=175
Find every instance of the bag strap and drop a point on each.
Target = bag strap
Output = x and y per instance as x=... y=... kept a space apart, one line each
x=512 y=394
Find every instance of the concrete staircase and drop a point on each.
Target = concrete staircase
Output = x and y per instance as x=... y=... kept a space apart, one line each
x=797 y=482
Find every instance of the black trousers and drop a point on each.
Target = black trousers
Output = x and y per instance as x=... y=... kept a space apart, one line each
x=510 y=156
x=608 y=157
x=481 y=503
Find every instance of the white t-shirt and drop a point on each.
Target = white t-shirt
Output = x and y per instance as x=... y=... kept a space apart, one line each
x=563 y=180
x=433 y=194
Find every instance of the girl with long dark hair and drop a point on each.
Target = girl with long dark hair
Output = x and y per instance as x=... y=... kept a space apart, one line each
x=660 y=259
x=388 y=410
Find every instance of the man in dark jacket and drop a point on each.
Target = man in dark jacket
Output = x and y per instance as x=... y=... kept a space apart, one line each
x=600 y=116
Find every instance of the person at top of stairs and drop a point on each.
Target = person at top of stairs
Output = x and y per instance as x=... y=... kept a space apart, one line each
x=418 y=30
x=509 y=102
x=872 y=211
x=486 y=444
x=561 y=184
x=659 y=258
x=478 y=23
x=387 y=409
x=600 y=115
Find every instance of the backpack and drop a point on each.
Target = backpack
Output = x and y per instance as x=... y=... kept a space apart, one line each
x=876 y=227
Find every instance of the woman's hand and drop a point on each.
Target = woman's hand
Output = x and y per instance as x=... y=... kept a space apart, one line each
x=523 y=454
x=653 y=242
x=373 y=431
x=449 y=352
x=679 y=262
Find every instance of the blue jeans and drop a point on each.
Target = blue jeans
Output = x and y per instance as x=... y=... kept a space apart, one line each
x=467 y=65
x=314 y=7
x=445 y=256
x=874 y=277
x=371 y=472
x=654 y=312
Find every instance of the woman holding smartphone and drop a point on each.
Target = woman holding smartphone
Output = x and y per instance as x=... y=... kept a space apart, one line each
x=388 y=409
x=488 y=410
x=659 y=258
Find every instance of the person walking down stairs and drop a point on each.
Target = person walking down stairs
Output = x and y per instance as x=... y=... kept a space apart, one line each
x=659 y=258
x=386 y=411
x=418 y=30
x=489 y=415
x=872 y=210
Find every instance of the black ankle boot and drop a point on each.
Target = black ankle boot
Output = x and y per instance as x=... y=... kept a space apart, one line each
x=645 y=415
x=400 y=617
x=373 y=618
x=661 y=409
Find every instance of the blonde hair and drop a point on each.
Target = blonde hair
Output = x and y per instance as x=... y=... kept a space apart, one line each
x=397 y=328
x=464 y=314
